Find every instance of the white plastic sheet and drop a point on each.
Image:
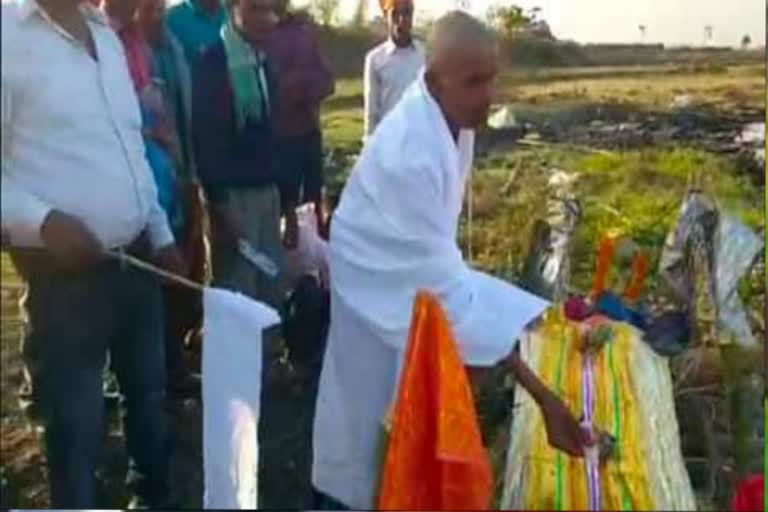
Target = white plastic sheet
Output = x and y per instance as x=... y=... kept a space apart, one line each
x=232 y=365
x=311 y=255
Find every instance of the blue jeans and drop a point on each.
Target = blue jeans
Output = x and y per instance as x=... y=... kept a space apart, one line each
x=75 y=320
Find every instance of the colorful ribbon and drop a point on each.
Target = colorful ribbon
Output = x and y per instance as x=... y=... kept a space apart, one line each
x=592 y=454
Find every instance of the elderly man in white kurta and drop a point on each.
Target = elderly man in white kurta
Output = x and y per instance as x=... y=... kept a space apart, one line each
x=394 y=233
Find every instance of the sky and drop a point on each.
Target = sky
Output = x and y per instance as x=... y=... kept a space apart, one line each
x=672 y=22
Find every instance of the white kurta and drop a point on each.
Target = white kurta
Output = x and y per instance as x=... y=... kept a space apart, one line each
x=393 y=234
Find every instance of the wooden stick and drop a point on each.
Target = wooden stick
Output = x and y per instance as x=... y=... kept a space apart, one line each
x=183 y=281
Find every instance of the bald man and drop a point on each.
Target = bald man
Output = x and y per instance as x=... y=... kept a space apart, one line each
x=394 y=233
x=391 y=67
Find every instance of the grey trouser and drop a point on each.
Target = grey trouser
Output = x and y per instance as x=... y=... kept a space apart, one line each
x=257 y=210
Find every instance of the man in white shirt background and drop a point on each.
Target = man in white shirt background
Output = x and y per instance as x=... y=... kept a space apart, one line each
x=392 y=66
x=76 y=183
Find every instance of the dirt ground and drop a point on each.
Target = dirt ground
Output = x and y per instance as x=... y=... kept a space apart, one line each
x=285 y=438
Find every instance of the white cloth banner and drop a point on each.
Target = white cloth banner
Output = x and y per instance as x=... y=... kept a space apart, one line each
x=232 y=362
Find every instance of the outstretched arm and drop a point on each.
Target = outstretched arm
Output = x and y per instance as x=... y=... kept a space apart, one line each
x=563 y=430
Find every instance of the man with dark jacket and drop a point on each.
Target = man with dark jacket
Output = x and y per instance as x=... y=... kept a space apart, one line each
x=233 y=110
x=305 y=81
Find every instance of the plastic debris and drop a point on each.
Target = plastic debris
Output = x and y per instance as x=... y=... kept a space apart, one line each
x=258 y=259
x=728 y=250
x=546 y=271
x=668 y=334
x=612 y=306
x=502 y=119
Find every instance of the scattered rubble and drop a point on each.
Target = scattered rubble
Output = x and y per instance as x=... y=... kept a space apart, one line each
x=621 y=127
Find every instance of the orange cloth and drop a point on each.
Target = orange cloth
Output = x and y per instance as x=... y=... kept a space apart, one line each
x=604 y=259
x=435 y=458
x=605 y=254
x=388 y=5
x=636 y=281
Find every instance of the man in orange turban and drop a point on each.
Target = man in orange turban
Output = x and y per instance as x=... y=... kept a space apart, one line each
x=393 y=66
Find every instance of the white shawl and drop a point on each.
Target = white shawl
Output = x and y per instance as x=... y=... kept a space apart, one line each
x=395 y=232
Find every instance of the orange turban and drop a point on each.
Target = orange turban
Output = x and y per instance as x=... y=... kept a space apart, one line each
x=387 y=5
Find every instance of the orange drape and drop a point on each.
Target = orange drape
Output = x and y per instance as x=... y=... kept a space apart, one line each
x=435 y=458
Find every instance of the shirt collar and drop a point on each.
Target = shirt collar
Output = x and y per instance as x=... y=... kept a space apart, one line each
x=197 y=10
x=390 y=47
x=421 y=86
x=27 y=8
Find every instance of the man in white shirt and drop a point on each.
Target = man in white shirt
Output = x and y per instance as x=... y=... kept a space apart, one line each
x=394 y=233
x=75 y=183
x=392 y=66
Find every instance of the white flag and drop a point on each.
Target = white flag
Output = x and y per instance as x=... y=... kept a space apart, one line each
x=232 y=366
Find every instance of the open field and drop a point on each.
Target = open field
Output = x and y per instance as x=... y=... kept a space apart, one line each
x=646 y=87
x=628 y=185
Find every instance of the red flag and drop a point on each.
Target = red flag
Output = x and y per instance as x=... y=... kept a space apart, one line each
x=749 y=495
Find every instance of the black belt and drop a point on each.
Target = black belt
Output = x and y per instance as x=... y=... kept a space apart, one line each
x=35 y=261
x=140 y=248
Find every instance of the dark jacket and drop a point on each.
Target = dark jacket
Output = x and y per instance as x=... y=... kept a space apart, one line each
x=228 y=157
x=304 y=72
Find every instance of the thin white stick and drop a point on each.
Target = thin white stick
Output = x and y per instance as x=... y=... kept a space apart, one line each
x=469 y=219
x=183 y=281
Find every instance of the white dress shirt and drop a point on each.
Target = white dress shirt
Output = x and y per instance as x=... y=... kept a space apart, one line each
x=71 y=133
x=389 y=71
x=394 y=233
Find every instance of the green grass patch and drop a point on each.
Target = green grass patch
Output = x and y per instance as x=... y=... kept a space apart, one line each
x=637 y=193
x=343 y=128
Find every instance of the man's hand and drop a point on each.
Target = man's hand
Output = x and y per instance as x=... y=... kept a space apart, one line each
x=291 y=235
x=169 y=258
x=70 y=242
x=322 y=221
x=563 y=430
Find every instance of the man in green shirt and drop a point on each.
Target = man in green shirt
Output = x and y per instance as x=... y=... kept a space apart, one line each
x=196 y=24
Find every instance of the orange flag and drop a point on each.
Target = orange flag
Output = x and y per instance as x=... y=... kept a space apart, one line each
x=604 y=259
x=435 y=458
